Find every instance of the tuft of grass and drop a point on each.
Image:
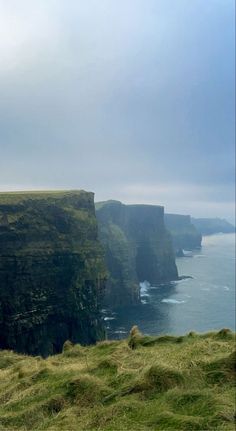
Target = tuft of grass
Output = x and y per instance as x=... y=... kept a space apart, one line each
x=142 y=383
x=222 y=370
x=162 y=379
x=86 y=390
x=67 y=346
x=192 y=334
x=135 y=337
x=72 y=350
x=225 y=334
x=157 y=379
x=106 y=366
x=54 y=405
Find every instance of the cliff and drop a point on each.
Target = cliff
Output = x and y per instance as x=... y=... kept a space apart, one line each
x=51 y=271
x=137 y=248
x=144 y=383
x=184 y=233
x=209 y=226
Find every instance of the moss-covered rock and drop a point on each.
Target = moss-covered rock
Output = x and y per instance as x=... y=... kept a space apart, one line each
x=51 y=271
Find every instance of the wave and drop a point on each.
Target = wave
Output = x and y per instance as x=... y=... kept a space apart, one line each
x=144 y=286
x=172 y=301
x=144 y=301
x=183 y=280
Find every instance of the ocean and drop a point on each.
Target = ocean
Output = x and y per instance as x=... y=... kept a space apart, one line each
x=203 y=303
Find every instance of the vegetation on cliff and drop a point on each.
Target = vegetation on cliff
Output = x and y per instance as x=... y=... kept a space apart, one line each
x=51 y=271
x=137 y=248
x=143 y=383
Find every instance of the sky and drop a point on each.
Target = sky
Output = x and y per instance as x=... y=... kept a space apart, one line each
x=131 y=99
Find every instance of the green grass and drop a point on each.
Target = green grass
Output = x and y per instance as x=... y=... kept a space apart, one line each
x=143 y=383
x=16 y=197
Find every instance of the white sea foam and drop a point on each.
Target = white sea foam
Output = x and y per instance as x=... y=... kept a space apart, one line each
x=172 y=301
x=183 y=280
x=109 y=318
x=144 y=301
x=144 y=287
x=144 y=284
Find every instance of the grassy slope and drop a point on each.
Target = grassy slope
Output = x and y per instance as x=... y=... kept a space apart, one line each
x=144 y=383
x=17 y=196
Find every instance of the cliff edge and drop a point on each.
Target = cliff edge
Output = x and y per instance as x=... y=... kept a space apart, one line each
x=184 y=233
x=137 y=248
x=51 y=271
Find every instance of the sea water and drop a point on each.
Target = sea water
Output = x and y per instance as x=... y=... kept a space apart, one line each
x=202 y=303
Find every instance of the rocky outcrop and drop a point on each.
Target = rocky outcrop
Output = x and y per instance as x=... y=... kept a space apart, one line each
x=209 y=226
x=51 y=271
x=184 y=234
x=137 y=248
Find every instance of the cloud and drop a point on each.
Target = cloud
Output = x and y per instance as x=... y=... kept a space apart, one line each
x=117 y=97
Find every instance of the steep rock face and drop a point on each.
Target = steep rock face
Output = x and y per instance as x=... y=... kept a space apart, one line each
x=137 y=248
x=183 y=232
x=209 y=226
x=51 y=271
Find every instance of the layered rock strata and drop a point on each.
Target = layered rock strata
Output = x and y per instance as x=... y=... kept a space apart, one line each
x=137 y=248
x=51 y=271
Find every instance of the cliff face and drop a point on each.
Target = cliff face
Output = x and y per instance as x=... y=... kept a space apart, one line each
x=137 y=248
x=209 y=226
x=183 y=232
x=51 y=271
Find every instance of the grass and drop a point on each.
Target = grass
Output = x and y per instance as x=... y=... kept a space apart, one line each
x=143 y=383
x=39 y=193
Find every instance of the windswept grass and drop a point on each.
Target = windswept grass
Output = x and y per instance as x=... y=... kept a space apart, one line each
x=143 y=383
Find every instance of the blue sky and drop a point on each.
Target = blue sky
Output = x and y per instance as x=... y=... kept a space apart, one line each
x=132 y=99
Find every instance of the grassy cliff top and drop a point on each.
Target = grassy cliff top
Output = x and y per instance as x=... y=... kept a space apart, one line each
x=19 y=196
x=102 y=204
x=143 y=383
